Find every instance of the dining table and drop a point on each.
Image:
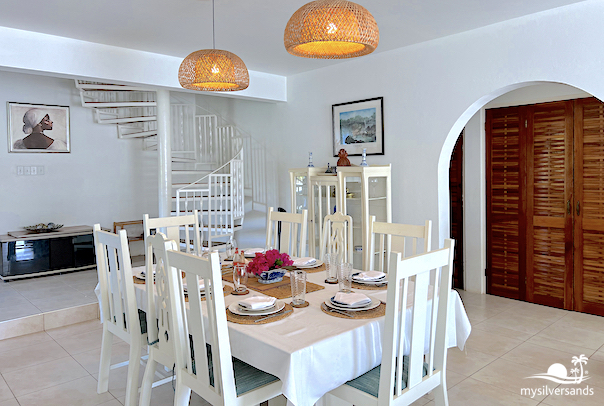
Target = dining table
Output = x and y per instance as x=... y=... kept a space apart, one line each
x=313 y=352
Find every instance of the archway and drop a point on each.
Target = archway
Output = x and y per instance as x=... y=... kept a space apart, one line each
x=475 y=273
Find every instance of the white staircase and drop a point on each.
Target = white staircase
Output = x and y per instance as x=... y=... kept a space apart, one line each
x=212 y=167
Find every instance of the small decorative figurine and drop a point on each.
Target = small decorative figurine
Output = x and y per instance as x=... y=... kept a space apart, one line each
x=343 y=161
x=364 y=161
x=310 y=165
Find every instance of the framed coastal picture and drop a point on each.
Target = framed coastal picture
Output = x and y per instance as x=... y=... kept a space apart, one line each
x=38 y=128
x=358 y=125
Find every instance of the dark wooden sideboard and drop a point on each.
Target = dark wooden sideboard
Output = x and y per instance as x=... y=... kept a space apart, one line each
x=24 y=254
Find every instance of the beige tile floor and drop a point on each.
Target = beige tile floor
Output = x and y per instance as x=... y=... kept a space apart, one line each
x=26 y=297
x=30 y=296
x=510 y=341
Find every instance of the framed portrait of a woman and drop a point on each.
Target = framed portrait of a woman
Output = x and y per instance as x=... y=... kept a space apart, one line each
x=38 y=128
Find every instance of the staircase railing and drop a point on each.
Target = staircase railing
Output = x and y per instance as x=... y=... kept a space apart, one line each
x=219 y=198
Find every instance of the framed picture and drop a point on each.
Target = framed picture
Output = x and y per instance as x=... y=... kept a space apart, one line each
x=38 y=128
x=358 y=125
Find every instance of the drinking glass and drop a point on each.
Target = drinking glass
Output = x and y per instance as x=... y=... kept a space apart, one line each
x=298 y=282
x=239 y=278
x=331 y=267
x=345 y=277
x=230 y=250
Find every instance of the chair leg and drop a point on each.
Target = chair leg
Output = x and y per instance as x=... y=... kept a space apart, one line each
x=133 y=373
x=105 y=364
x=440 y=395
x=182 y=394
x=148 y=377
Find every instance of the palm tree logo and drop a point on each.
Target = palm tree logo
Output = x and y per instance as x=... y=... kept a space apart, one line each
x=582 y=359
x=558 y=372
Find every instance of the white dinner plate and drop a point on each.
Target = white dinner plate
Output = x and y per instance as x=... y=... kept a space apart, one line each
x=374 y=303
x=234 y=308
x=372 y=283
x=141 y=275
x=379 y=280
x=252 y=252
x=313 y=265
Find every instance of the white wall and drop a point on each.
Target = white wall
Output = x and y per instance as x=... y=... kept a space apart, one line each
x=430 y=92
x=103 y=179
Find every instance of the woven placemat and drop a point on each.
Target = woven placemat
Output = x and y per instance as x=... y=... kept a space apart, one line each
x=281 y=314
x=368 y=287
x=227 y=290
x=139 y=281
x=280 y=290
x=365 y=314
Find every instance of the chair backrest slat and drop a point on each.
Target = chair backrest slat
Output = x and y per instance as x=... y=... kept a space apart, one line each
x=293 y=232
x=206 y=334
x=178 y=228
x=428 y=319
x=114 y=269
x=390 y=237
x=337 y=236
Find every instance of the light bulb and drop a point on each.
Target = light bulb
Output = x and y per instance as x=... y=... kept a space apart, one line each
x=331 y=28
x=215 y=70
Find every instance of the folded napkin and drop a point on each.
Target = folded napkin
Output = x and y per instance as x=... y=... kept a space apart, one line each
x=304 y=261
x=201 y=285
x=257 y=302
x=369 y=276
x=351 y=299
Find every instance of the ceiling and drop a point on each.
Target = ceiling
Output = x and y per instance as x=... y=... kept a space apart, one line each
x=251 y=29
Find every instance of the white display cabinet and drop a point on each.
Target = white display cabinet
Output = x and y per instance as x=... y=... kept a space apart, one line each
x=361 y=192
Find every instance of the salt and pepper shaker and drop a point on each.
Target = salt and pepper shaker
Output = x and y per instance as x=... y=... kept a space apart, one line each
x=310 y=165
x=364 y=161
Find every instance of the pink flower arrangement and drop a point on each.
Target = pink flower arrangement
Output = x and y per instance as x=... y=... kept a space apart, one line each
x=264 y=262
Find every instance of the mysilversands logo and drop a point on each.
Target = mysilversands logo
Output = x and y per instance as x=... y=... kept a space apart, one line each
x=559 y=374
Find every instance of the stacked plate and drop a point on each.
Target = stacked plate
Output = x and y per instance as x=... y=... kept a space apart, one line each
x=307 y=263
x=370 y=278
x=236 y=308
x=366 y=305
x=141 y=274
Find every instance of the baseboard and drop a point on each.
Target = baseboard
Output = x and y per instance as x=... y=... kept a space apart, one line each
x=49 y=320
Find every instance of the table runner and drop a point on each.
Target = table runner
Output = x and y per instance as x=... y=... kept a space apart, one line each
x=280 y=290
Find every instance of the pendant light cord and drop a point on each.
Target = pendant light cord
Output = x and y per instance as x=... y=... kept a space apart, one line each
x=213 y=25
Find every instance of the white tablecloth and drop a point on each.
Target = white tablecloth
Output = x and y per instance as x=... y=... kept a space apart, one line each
x=312 y=352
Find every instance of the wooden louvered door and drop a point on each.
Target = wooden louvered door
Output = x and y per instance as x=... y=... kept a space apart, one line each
x=505 y=211
x=456 y=210
x=549 y=265
x=588 y=206
x=545 y=204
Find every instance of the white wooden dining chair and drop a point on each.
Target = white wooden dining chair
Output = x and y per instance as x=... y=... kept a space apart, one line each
x=159 y=309
x=121 y=316
x=401 y=379
x=337 y=236
x=387 y=237
x=182 y=229
x=202 y=348
x=292 y=239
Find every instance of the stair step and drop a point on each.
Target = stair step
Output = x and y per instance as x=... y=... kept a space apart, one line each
x=139 y=134
x=104 y=86
x=189 y=172
x=126 y=120
x=108 y=105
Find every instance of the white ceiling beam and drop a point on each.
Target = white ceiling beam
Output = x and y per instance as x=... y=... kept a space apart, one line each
x=50 y=55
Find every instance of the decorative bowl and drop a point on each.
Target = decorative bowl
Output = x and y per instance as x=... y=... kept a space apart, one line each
x=272 y=276
x=43 y=228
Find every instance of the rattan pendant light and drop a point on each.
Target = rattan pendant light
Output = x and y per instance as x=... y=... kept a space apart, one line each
x=331 y=29
x=213 y=69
